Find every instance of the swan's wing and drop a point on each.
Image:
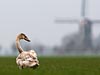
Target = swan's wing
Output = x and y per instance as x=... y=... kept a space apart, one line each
x=33 y=53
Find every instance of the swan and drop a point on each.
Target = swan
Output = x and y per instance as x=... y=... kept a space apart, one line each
x=25 y=59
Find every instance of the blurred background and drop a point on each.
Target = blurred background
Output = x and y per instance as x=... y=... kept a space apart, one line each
x=55 y=27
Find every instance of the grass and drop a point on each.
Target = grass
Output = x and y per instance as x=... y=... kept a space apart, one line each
x=54 y=66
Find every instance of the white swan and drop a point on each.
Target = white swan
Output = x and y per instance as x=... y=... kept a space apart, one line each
x=25 y=59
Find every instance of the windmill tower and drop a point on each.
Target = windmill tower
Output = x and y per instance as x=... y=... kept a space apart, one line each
x=85 y=26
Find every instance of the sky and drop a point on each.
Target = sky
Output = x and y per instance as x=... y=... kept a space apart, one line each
x=36 y=18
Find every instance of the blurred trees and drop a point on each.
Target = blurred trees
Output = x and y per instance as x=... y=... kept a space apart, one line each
x=38 y=47
x=71 y=44
x=14 y=49
x=0 y=47
x=97 y=45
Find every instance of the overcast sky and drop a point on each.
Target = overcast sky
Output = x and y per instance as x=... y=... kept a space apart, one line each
x=36 y=19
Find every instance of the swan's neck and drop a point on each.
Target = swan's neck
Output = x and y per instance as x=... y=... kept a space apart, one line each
x=18 y=45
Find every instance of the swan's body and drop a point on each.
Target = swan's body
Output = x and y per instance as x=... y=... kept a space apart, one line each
x=25 y=58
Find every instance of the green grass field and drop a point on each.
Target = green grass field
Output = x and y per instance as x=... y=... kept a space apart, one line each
x=54 y=66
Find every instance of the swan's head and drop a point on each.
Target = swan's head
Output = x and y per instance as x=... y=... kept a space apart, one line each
x=23 y=36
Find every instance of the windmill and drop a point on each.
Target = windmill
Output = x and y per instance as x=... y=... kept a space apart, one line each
x=85 y=25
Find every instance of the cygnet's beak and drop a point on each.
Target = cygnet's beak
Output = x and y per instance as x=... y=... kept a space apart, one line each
x=27 y=40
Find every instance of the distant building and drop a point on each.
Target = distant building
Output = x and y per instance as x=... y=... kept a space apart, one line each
x=80 y=42
x=86 y=33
